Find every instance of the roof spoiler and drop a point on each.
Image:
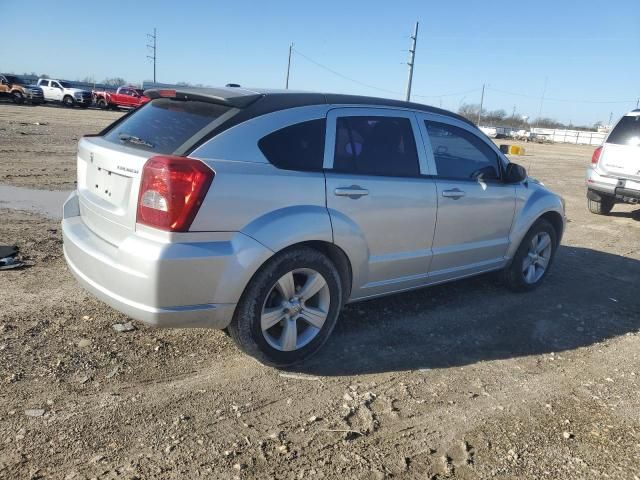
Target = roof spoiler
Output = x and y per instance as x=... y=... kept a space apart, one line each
x=230 y=97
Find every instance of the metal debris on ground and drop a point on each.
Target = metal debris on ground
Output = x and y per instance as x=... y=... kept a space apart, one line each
x=10 y=257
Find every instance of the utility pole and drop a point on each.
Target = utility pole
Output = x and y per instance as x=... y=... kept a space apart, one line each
x=481 y=104
x=544 y=91
x=638 y=102
x=610 y=118
x=412 y=56
x=286 y=85
x=152 y=47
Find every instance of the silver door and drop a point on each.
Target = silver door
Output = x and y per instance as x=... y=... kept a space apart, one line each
x=475 y=208
x=388 y=221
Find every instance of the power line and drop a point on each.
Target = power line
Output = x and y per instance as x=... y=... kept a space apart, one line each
x=454 y=94
x=566 y=100
x=344 y=76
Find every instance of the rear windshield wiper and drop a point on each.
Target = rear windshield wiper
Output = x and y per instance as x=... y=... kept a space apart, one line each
x=125 y=137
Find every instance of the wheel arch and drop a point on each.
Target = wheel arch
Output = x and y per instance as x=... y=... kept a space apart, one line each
x=556 y=220
x=540 y=204
x=302 y=226
x=337 y=256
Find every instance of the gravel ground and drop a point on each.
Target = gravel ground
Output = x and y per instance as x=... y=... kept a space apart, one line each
x=38 y=143
x=460 y=381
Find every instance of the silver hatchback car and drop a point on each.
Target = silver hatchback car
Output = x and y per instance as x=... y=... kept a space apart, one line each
x=264 y=212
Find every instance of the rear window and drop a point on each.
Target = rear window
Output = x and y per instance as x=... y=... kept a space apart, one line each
x=626 y=132
x=297 y=147
x=163 y=125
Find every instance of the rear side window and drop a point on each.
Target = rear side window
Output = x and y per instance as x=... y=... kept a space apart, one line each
x=626 y=132
x=376 y=145
x=459 y=154
x=296 y=147
x=163 y=125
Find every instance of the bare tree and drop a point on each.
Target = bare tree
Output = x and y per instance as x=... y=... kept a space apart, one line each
x=114 y=82
x=469 y=111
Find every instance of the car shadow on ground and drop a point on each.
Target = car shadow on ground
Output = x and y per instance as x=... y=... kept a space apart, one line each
x=589 y=296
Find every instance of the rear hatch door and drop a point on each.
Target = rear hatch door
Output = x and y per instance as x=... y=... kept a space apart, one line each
x=621 y=152
x=110 y=165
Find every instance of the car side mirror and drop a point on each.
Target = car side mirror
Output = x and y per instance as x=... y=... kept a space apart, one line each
x=515 y=173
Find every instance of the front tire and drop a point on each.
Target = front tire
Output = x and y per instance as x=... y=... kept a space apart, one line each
x=534 y=257
x=68 y=101
x=102 y=104
x=289 y=308
x=602 y=207
x=17 y=98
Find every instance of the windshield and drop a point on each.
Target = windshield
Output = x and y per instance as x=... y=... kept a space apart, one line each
x=163 y=125
x=13 y=79
x=65 y=84
x=626 y=132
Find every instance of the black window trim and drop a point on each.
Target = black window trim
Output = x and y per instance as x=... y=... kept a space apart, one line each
x=340 y=111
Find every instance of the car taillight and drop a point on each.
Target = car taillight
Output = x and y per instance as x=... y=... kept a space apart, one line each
x=171 y=192
x=596 y=155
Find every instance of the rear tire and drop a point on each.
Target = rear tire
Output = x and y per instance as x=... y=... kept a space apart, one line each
x=270 y=320
x=603 y=207
x=534 y=257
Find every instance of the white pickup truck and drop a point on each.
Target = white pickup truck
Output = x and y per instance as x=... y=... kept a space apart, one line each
x=63 y=92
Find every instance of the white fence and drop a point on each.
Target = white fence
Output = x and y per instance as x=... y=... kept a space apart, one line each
x=550 y=134
x=570 y=136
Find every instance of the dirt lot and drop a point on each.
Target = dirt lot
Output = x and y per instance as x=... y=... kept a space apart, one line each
x=461 y=381
x=38 y=144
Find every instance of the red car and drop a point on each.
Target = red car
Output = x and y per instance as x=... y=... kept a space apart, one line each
x=124 y=97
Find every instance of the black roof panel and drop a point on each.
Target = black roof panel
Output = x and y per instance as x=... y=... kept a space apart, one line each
x=256 y=102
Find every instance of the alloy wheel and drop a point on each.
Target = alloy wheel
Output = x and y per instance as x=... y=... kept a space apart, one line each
x=295 y=309
x=536 y=261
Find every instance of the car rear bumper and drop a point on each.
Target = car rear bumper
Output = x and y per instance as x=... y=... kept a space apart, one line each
x=175 y=285
x=620 y=188
x=601 y=183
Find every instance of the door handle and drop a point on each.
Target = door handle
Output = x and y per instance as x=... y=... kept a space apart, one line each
x=455 y=193
x=354 y=192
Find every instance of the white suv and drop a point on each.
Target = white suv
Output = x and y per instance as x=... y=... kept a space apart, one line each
x=614 y=175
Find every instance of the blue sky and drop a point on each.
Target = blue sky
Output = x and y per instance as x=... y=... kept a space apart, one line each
x=588 y=50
